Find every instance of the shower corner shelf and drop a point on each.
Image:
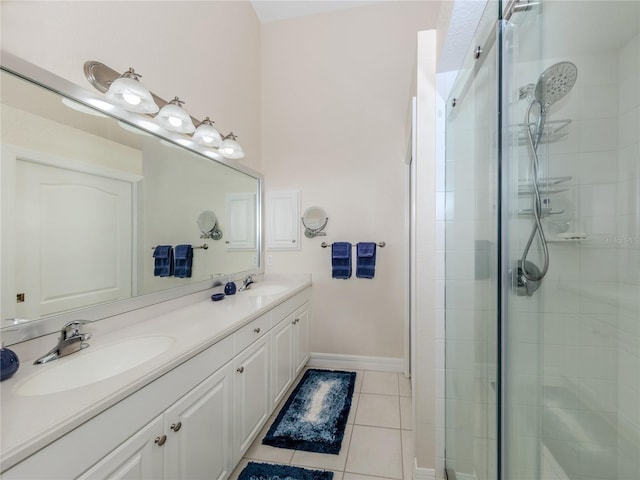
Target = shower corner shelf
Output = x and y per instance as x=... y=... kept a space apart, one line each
x=553 y=131
x=546 y=185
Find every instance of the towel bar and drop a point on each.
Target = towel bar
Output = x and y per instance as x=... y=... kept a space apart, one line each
x=204 y=246
x=325 y=244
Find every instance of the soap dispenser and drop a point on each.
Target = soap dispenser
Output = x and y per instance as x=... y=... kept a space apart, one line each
x=230 y=288
x=9 y=363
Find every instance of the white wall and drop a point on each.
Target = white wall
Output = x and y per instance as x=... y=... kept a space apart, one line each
x=207 y=53
x=336 y=89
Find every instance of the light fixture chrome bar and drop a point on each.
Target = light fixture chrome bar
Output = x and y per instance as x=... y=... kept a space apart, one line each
x=101 y=76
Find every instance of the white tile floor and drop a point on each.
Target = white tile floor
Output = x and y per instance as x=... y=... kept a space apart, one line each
x=377 y=444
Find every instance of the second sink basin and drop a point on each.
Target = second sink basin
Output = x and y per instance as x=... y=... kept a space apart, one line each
x=93 y=365
x=258 y=290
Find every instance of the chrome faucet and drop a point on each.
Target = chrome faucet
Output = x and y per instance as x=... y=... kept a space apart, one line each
x=246 y=283
x=71 y=340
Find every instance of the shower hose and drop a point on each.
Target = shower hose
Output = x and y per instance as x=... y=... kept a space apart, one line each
x=537 y=202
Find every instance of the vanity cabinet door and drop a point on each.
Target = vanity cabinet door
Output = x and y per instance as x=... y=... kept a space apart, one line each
x=251 y=392
x=198 y=430
x=140 y=457
x=282 y=229
x=282 y=358
x=301 y=350
x=240 y=229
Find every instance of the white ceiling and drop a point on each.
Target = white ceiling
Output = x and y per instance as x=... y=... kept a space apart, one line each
x=273 y=10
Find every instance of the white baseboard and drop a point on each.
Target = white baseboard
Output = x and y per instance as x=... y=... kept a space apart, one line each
x=423 y=473
x=356 y=362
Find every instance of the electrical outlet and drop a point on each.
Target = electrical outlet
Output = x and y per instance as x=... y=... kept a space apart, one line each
x=269 y=260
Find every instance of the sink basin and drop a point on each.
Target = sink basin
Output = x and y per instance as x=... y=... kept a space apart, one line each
x=93 y=365
x=258 y=290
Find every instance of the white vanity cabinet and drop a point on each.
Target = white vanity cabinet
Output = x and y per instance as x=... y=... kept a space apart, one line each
x=251 y=391
x=282 y=358
x=138 y=457
x=289 y=343
x=301 y=350
x=194 y=421
x=191 y=439
x=198 y=430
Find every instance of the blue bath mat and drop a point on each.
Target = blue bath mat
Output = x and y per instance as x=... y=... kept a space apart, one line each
x=268 y=471
x=315 y=415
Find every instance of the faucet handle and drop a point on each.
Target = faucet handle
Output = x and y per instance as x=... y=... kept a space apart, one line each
x=74 y=329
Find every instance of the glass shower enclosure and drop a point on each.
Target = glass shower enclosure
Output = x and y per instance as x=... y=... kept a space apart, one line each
x=542 y=226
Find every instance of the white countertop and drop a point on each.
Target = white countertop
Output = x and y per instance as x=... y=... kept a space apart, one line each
x=29 y=423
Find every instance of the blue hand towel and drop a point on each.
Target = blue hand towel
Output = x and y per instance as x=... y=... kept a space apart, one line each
x=341 y=260
x=366 y=260
x=183 y=261
x=163 y=261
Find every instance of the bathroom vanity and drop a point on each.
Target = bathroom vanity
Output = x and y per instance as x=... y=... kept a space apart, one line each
x=213 y=374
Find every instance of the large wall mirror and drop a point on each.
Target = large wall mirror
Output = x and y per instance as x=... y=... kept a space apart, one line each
x=87 y=196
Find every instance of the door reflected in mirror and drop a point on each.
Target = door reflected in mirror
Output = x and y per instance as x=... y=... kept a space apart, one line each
x=86 y=201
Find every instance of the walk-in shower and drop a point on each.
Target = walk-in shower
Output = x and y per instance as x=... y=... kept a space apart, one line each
x=554 y=83
x=542 y=194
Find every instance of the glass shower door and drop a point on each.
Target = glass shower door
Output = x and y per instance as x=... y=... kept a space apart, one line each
x=571 y=241
x=471 y=274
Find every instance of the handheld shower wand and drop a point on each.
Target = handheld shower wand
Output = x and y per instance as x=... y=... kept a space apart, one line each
x=554 y=83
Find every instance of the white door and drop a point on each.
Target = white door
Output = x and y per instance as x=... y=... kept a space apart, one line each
x=250 y=394
x=138 y=458
x=282 y=355
x=301 y=337
x=198 y=429
x=283 y=221
x=73 y=239
x=241 y=221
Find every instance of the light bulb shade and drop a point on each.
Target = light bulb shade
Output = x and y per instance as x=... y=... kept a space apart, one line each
x=231 y=149
x=173 y=117
x=131 y=95
x=206 y=135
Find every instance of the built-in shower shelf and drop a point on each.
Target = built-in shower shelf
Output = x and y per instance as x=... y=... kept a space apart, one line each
x=546 y=186
x=553 y=131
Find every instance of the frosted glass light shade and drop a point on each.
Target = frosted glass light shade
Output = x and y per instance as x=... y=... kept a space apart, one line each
x=206 y=135
x=173 y=117
x=131 y=95
x=230 y=148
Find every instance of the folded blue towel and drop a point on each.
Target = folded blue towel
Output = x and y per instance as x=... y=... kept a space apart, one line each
x=341 y=260
x=183 y=261
x=366 y=260
x=163 y=261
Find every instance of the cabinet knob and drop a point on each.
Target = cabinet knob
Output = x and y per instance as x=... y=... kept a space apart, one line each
x=240 y=370
x=296 y=321
x=293 y=241
x=176 y=426
x=257 y=329
x=161 y=440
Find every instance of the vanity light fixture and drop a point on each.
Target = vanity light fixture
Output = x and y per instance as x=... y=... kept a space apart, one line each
x=206 y=134
x=133 y=98
x=127 y=92
x=175 y=118
x=230 y=148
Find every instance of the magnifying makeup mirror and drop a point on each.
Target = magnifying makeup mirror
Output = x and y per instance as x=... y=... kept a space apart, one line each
x=208 y=225
x=314 y=220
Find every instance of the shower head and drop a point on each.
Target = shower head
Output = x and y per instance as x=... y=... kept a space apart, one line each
x=554 y=83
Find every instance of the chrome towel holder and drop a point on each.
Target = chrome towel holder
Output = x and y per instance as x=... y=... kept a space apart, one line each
x=204 y=246
x=325 y=244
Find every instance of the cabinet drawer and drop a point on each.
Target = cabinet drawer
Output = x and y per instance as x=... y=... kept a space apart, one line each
x=251 y=332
